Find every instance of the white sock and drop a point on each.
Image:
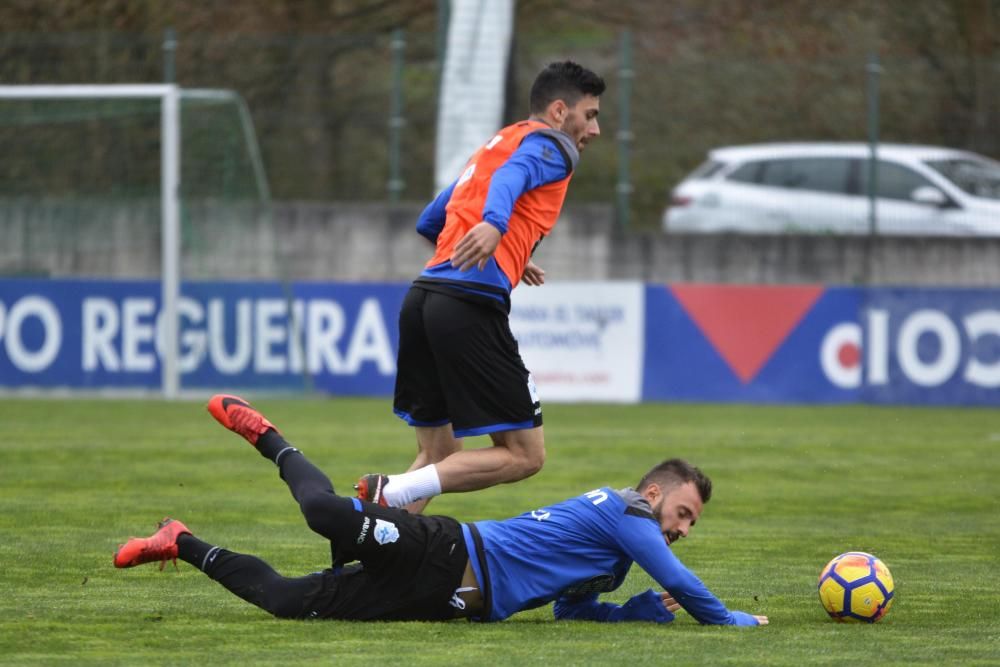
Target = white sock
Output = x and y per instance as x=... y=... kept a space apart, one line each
x=407 y=487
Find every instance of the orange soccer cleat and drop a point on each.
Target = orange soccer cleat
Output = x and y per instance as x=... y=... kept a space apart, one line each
x=239 y=417
x=160 y=546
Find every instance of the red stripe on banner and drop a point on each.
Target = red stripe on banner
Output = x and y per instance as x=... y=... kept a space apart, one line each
x=746 y=324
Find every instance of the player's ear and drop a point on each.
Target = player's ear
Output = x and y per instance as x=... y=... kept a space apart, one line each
x=558 y=111
x=652 y=492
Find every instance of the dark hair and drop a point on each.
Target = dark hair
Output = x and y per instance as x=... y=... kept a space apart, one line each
x=564 y=81
x=674 y=472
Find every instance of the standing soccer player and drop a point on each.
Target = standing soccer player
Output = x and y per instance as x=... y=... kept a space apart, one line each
x=459 y=371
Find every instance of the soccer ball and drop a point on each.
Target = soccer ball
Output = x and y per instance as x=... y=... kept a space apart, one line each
x=856 y=586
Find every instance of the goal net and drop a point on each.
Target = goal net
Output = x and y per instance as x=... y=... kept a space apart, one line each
x=91 y=185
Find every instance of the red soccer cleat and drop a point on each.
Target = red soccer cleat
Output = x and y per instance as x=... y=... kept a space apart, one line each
x=239 y=417
x=160 y=546
x=371 y=487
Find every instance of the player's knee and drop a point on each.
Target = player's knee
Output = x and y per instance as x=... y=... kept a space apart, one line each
x=318 y=509
x=283 y=598
x=526 y=450
x=531 y=462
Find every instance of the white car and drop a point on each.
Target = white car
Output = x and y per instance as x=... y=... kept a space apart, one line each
x=822 y=188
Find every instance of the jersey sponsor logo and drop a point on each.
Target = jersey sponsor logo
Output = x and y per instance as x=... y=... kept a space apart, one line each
x=385 y=532
x=597 y=496
x=364 y=531
x=540 y=514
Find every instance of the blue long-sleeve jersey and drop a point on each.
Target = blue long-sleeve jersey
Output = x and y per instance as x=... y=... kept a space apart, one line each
x=579 y=547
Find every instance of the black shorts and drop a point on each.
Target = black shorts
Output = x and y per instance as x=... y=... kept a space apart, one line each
x=411 y=567
x=459 y=363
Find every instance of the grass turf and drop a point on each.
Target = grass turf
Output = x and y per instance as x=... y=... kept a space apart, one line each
x=794 y=486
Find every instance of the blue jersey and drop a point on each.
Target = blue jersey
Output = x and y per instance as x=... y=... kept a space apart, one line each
x=571 y=551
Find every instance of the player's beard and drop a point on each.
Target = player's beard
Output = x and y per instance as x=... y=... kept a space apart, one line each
x=671 y=535
x=577 y=131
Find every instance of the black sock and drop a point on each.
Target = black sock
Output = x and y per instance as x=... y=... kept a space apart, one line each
x=272 y=446
x=200 y=554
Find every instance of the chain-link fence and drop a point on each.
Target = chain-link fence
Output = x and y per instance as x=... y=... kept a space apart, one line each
x=320 y=107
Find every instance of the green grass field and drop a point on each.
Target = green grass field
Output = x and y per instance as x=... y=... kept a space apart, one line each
x=794 y=486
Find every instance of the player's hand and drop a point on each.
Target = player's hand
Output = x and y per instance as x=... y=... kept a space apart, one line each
x=476 y=247
x=761 y=620
x=669 y=602
x=533 y=275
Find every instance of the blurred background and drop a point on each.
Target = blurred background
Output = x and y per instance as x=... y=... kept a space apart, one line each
x=330 y=118
x=312 y=134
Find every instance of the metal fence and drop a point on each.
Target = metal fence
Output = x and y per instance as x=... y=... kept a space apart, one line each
x=354 y=117
x=321 y=105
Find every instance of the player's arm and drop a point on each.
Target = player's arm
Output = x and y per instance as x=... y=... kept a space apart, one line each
x=644 y=543
x=432 y=219
x=646 y=606
x=536 y=162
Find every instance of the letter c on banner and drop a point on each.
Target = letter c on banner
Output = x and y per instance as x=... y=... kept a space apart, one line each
x=839 y=355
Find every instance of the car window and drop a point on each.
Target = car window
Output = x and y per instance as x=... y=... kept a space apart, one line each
x=817 y=174
x=894 y=180
x=747 y=173
x=978 y=178
x=707 y=169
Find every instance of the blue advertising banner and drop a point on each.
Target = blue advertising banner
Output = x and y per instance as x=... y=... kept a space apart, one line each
x=931 y=346
x=334 y=337
x=78 y=334
x=813 y=344
x=747 y=343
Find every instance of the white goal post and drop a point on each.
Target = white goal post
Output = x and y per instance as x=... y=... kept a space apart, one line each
x=170 y=137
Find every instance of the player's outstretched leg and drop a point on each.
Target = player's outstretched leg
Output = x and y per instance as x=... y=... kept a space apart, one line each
x=332 y=516
x=247 y=577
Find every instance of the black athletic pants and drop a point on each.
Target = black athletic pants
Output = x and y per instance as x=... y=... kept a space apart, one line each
x=410 y=565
